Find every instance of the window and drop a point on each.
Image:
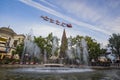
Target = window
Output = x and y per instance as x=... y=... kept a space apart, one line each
x=15 y=43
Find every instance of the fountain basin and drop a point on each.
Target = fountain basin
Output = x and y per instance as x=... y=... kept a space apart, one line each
x=49 y=70
x=53 y=65
x=106 y=74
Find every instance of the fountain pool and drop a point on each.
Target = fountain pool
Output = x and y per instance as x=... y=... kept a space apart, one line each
x=49 y=70
x=30 y=74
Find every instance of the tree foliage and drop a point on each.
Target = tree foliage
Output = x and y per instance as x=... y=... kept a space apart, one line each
x=19 y=50
x=92 y=45
x=40 y=42
x=114 y=41
x=44 y=43
x=63 y=46
x=93 y=48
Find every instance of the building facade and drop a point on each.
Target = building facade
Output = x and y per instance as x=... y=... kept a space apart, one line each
x=9 y=41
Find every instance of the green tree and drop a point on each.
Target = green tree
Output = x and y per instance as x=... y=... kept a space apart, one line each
x=76 y=39
x=19 y=50
x=49 y=42
x=114 y=41
x=63 y=46
x=45 y=43
x=40 y=41
x=93 y=48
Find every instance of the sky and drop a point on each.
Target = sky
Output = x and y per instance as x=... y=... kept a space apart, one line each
x=95 y=18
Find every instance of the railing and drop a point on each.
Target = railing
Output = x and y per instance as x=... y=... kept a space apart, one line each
x=115 y=65
x=3 y=46
x=105 y=64
x=4 y=49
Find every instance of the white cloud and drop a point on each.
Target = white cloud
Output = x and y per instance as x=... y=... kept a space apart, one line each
x=104 y=20
x=48 y=3
x=44 y=30
x=58 y=14
x=112 y=25
x=114 y=3
x=80 y=9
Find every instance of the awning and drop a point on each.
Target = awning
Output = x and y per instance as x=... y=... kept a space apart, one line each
x=3 y=39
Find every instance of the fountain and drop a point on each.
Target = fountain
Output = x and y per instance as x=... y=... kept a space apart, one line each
x=54 y=57
x=69 y=50
x=85 y=52
x=31 y=50
x=54 y=46
x=74 y=53
x=78 y=52
x=45 y=56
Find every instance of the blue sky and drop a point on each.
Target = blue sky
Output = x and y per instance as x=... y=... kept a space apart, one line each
x=95 y=18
